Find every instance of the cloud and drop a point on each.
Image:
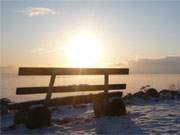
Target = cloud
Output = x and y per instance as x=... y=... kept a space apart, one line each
x=46 y=50
x=166 y=65
x=170 y=65
x=36 y=11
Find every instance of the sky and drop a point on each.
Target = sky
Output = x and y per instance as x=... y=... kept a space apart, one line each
x=36 y=33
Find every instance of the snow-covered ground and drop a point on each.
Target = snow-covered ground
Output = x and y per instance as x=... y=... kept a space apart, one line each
x=155 y=117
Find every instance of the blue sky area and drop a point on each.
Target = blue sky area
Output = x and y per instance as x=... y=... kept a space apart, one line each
x=34 y=32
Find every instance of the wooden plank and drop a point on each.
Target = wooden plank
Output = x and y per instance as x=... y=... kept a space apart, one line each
x=53 y=102
x=50 y=89
x=71 y=71
x=73 y=88
x=106 y=82
x=71 y=100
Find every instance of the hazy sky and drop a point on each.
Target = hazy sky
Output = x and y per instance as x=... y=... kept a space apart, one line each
x=33 y=33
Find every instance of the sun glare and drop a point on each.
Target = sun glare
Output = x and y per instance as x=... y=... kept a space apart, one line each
x=83 y=51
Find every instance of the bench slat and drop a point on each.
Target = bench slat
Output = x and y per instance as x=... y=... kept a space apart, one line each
x=73 y=88
x=72 y=71
x=69 y=100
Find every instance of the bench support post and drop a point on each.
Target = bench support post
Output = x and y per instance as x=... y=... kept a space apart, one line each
x=50 y=89
x=106 y=83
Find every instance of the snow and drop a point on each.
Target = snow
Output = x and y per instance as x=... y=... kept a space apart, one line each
x=152 y=117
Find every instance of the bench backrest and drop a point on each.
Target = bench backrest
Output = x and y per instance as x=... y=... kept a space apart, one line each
x=53 y=72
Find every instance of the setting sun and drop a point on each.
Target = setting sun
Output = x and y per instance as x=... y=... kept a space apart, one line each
x=90 y=67
x=83 y=50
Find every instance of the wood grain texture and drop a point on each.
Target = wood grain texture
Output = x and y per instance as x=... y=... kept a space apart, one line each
x=72 y=71
x=73 y=88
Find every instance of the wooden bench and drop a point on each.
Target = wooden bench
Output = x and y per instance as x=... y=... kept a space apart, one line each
x=53 y=72
x=40 y=116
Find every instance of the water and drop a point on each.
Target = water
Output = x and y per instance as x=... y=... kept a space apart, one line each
x=9 y=82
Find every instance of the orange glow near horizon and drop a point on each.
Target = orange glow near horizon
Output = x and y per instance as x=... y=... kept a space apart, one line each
x=83 y=50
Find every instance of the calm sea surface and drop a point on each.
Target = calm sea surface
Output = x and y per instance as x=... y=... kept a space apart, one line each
x=9 y=82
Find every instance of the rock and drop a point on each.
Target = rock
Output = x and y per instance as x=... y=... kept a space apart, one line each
x=169 y=94
x=38 y=117
x=20 y=117
x=128 y=96
x=4 y=105
x=116 y=107
x=33 y=117
x=99 y=105
x=112 y=105
x=165 y=94
x=152 y=93
x=140 y=94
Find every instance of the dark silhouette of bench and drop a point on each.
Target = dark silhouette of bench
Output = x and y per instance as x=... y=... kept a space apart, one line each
x=53 y=72
x=105 y=104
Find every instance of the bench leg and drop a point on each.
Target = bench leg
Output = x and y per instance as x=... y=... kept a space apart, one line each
x=50 y=89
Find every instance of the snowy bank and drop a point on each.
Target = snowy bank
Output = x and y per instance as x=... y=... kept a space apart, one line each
x=153 y=117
